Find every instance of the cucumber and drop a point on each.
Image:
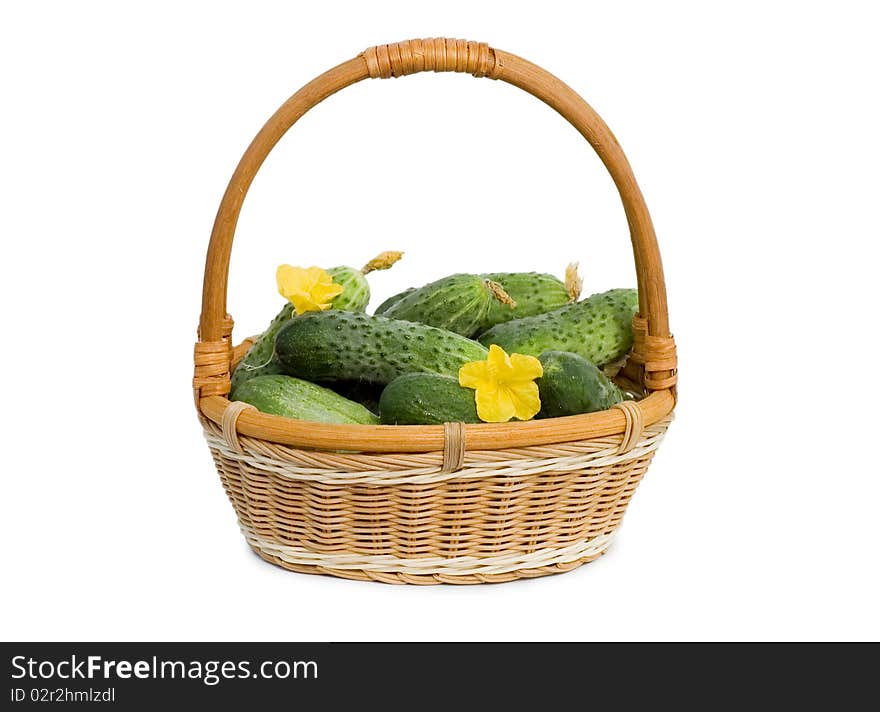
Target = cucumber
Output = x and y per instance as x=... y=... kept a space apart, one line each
x=355 y=289
x=426 y=399
x=393 y=299
x=258 y=360
x=337 y=346
x=598 y=328
x=294 y=398
x=572 y=385
x=354 y=297
x=470 y=303
x=532 y=292
x=457 y=303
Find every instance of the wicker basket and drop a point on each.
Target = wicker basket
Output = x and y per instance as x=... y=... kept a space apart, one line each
x=435 y=504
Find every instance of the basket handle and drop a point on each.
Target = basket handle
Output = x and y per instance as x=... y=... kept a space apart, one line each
x=653 y=350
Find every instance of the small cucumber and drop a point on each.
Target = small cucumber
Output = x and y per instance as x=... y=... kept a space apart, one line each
x=457 y=303
x=337 y=346
x=294 y=398
x=426 y=399
x=470 y=303
x=572 y=385
x=354 y=297
x=258 y=360
x=355 y=289
x=598 y=328
x=532 y=293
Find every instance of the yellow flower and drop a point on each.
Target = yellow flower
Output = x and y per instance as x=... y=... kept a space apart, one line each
x=505 y=385
x=311 y=289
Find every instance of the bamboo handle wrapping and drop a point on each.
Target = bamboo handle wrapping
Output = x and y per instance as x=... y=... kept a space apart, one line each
x=653 y=349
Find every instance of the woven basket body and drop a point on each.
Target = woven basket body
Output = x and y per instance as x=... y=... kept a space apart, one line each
x=435 y=504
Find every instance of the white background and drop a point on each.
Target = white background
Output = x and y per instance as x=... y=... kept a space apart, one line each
x=754 y=134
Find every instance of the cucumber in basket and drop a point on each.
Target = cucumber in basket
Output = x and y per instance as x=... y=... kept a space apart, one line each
x=338 y=346
x=531 y=292
x=470 y=303
x=354 y=297
x=426 y=399
x=457 y=303
x=598 y=328
x=295 y=398
x=570 y=385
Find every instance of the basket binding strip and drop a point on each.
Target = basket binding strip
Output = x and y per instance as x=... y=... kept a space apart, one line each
x=435 y=504
x=448 y=566
x=391 y=469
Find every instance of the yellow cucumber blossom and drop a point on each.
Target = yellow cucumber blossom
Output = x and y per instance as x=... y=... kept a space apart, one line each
x=311 y=289
x=505 y=385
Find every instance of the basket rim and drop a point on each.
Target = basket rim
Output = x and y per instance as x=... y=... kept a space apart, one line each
x=429 y=438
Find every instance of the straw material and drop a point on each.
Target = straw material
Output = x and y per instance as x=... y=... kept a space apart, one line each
x=456 y=503
x=402 y=518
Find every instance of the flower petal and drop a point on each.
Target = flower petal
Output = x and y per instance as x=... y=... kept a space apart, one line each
x=288 y=279
x=499 y=362
x=524 y=398
x=474 y=374
x=526 y=368
x=495 y=405
x=324 y=294
x=505 y=385
x=311 y=289
x=316 y=275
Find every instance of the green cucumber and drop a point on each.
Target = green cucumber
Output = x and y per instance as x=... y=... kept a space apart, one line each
x=337 y=346
x=572 y=385
x=457 y=303
x=598 y=328
x=355 y=289
x=354 y=297
x=295 y=398
x=426 y=399
x=532 y=292
x=393 y=299
x=470 y=303
x=258 y=359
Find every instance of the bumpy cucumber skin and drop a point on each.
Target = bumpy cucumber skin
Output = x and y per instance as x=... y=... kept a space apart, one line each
x=572 y=385
x=457 y=303
x=393 y=299
x=295 y=398
x=426 y=399
x=598 y=328
x=356 y=290
x=533 y=292
x=258 y=360
x=337 y=346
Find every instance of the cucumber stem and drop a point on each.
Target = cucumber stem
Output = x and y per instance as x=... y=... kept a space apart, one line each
x=573 y=282
x=497 y=291
x=383 y=260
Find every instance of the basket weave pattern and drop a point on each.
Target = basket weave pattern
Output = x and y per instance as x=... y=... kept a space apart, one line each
x=490 y=502
x=402 y=519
